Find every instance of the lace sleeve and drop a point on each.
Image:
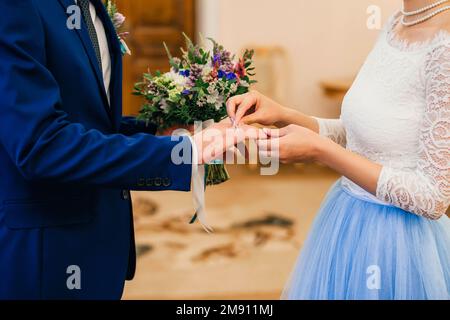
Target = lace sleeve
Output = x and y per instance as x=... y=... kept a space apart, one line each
x=426 y=190
x=333 y=129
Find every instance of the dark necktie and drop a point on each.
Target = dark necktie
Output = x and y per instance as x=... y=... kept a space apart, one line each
x=84 y=6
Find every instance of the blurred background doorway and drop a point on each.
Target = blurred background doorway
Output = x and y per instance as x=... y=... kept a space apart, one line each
x=150 y=23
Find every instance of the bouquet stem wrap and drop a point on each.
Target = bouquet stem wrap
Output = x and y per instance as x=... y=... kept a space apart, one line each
x=216 y=173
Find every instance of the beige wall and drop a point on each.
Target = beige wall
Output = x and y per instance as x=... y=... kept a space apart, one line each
x=323 y=39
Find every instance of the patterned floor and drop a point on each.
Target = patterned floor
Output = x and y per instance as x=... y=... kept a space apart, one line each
x=260 y=224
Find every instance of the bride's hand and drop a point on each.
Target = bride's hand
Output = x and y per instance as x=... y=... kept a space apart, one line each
x=291 y=144
x=253 y=107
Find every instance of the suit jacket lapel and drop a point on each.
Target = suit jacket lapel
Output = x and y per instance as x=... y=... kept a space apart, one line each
x=116 y=63
x=89 y=49
x=114 y=46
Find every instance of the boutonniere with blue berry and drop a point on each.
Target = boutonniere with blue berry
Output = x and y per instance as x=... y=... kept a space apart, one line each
x=118 y=20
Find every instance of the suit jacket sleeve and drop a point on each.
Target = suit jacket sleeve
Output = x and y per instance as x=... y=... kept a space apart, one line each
x=130 y=126
x=41 y=141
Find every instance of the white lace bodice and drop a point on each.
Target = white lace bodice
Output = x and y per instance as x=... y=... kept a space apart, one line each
x=397 y=113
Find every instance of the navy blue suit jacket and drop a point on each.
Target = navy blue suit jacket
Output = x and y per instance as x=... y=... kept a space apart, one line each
x=68 y=159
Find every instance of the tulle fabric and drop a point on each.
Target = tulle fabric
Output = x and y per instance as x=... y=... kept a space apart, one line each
x=361 y=250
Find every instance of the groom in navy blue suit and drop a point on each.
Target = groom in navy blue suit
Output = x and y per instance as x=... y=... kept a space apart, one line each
x=68 y=158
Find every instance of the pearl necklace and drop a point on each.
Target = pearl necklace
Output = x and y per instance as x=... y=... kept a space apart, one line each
x=424 y=9
x=425 y=18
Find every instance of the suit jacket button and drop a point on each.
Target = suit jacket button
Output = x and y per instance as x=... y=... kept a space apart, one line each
x=167 y=182
x=125 y=195
x=158 y=182
x=149 y=182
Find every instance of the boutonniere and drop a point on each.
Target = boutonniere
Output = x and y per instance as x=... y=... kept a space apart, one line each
x=118 y=20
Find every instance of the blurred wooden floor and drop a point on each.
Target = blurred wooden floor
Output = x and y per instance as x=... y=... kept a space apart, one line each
x=248 y=256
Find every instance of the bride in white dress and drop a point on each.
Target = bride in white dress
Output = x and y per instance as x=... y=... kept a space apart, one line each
x=382 y=232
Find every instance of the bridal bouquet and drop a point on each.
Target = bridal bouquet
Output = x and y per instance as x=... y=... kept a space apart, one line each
x=195 y=89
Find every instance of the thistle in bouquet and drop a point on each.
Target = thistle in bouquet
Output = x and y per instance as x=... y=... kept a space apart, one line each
x=195 y=89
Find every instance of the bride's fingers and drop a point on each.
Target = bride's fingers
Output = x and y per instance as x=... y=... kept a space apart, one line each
x=250 y=119
x=248 y=102
x=266 y=154
x=232 y=105
x=249 y=132
x=269 y=145
x=271 y=154
x=261 y=135
x=275 y=133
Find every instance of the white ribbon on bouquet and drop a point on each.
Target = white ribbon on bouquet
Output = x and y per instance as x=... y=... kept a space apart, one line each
x=198 y=188
x=198 y=179
x=198 y=182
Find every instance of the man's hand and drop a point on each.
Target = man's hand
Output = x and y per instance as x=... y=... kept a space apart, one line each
x=219 y=138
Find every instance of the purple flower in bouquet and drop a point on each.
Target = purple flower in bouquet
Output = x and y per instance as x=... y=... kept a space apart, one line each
x=217 y=61
x=222 y=59
x=197 y=71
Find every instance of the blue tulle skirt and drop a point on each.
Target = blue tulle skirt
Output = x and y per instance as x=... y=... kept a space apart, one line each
x=359 y=249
